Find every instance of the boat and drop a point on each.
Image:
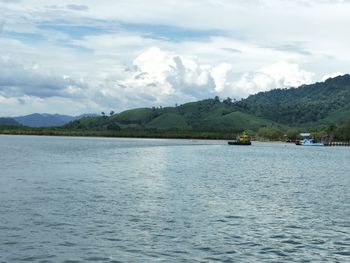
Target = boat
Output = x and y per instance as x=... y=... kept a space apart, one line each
x=309 y=142
x=243 y=140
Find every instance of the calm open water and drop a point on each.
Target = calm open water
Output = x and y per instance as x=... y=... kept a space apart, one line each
x=135 y=200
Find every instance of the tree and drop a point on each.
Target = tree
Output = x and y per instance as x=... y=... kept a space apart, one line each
x=227 y=101
x=293 y=135
x=113 y=126
x=111 y=113
x=271 y=133
x=343 y=131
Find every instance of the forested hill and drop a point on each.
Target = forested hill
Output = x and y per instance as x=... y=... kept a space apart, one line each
x=309 y=105
x=320 y=103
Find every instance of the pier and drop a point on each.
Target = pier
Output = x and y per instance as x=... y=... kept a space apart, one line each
x=337 y=144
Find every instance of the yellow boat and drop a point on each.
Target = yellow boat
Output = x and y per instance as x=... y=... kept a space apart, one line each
x=243 y=140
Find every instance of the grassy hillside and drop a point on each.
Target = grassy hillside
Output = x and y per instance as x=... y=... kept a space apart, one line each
x=236 y=121
x=135 y=116
x=168 y=121
x=206 y=115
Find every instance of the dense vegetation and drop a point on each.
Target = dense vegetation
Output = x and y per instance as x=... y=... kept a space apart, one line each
x=320 y=103
x=340 y=132
x=175 y=134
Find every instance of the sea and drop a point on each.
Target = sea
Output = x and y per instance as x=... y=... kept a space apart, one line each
x=77 y=199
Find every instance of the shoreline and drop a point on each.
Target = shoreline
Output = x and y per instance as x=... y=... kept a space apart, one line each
x=135 y=136
x=158 y=138
x=190 y=135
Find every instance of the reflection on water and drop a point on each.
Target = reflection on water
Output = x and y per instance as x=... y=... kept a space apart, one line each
x=134 y=200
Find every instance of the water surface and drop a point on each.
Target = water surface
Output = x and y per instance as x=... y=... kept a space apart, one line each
x=141 y=200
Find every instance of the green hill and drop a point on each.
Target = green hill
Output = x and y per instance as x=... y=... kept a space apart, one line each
x=210 y=114
x=236 y=121
x=168 y=121
x=135 y=116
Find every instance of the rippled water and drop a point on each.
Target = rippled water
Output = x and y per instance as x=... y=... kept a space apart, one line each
x=135 y=200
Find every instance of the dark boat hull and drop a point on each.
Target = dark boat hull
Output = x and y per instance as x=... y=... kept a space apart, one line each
x=239 y=143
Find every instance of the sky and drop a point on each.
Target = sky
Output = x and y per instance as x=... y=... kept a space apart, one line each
x=87 y=56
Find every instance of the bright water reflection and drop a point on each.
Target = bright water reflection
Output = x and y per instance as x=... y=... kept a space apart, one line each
x=130 y=200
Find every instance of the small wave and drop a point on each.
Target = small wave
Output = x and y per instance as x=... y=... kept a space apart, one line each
x=94 y=259
x=67 y=244
x=341 y=243
x=10 y=243
x=342 y=253
x=233 y=217
x=291 y=241
x=278 y=236
x=113 y=239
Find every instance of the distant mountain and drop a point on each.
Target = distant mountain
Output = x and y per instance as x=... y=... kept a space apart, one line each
x=44 y=120
x=9 y=122
x=47 y=120
x=309 y=105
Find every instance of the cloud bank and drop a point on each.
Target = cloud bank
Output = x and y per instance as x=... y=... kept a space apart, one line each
x=161 y=77
x=82 y=56
x=18 y=80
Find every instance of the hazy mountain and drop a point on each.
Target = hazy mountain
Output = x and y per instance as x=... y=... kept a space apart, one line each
x=43 y=120
x=47 y=120
x=9 y=122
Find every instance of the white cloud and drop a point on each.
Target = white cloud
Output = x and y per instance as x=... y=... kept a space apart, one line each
x=278 y=75
x=166 y=76
x=219 y=74
x=287 y=74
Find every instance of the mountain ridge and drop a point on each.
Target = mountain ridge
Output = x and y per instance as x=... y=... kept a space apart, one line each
x=37 y=120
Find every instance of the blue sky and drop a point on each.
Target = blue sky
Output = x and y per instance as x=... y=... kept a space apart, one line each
x=73 y=57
